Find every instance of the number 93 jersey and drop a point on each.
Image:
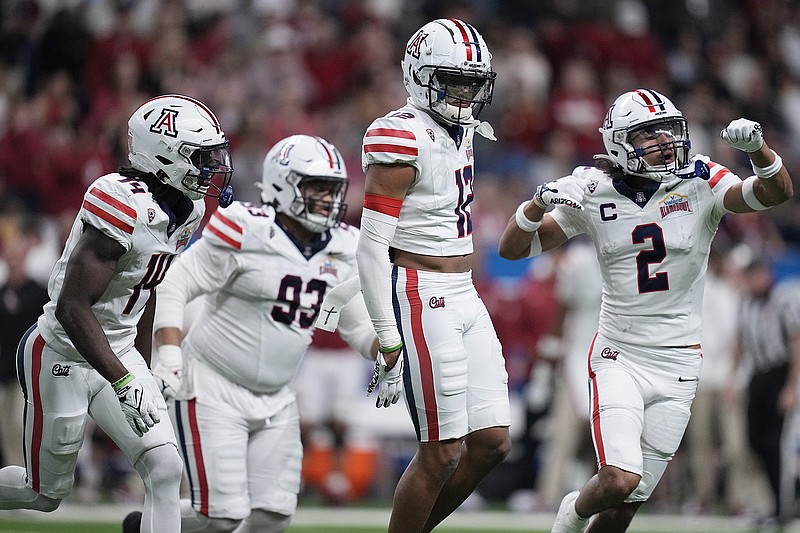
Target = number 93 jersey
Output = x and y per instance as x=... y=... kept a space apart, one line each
x=652 y=245
x=435 y=217
x=263 y=293
x=124 y=210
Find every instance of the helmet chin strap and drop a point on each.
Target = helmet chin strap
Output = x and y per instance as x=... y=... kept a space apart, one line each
x=700 y=170
x=225 y=197
x=484 y=129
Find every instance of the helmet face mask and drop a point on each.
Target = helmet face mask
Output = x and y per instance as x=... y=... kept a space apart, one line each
x=305 y=178
x=458 y=97
x=180 y=141
x=447 y=70
x=646 y=136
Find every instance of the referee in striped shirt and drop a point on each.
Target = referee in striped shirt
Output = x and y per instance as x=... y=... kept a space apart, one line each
x=769 y=343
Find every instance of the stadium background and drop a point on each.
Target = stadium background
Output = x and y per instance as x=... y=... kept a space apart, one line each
x=72 y=71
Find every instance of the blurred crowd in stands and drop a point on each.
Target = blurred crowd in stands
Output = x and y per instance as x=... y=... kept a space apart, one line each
x=72 y=71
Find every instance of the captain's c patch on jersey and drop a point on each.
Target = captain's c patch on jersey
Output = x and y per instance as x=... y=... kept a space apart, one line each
x=674 y=203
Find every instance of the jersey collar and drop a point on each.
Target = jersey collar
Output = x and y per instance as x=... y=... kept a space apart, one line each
x=307 y=248
x=638 y=196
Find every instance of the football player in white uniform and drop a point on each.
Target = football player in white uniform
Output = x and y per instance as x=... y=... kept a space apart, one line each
x=264 y=270
x=651 y=209
x=415 y=266
x=89 y=353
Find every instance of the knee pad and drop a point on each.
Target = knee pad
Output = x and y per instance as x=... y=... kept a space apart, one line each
x=193 y=521
x=161 y=464
x=62 y=437
x=45 y=504
x=266 y=522
x=222 y=525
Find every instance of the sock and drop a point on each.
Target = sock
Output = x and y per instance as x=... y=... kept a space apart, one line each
x=573 y=517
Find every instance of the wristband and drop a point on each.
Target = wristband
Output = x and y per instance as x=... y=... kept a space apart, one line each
x=121 y=382
x=523 y=222
x=169 y=355
x=749 y=195
x=769 y=171
x=390 y=349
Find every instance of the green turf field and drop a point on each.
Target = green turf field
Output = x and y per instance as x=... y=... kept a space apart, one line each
x=108 y=519
x=27 y=526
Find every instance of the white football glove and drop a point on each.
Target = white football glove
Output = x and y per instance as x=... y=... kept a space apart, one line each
x=334 y=302
x=168 y=370
x=389 y=381
x=744 y=135
x=137 y=404
x=559 y=192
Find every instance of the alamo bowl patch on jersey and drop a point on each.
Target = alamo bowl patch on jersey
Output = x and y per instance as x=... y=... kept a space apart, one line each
x=674 y=203
x=329 y=266
x=183 y=239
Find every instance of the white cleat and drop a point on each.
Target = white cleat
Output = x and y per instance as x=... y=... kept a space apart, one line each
x=566 y=519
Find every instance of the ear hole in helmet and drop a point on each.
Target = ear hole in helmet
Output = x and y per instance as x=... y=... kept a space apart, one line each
x=163 y=160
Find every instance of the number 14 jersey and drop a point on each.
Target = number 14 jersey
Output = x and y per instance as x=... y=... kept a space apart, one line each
x=124 y=210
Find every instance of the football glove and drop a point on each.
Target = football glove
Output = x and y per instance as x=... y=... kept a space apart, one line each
x=744 y=135
x=560 y=192
x=137 y=404
x=334 y=302
x=388 y=380
x=168 y=370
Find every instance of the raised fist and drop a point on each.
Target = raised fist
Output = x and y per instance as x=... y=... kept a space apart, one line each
x=744 y=135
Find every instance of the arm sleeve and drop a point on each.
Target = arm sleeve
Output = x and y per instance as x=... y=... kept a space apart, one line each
x=355 y=327
x=375 y=273
x=202 y=269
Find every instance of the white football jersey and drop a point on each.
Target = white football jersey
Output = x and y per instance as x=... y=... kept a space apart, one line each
x=123 y=209
x=263 y=294
x=435 y=218
x=653 y=252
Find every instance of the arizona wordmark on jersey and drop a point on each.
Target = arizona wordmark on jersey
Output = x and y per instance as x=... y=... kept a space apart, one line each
x=652 y=245
x=435 y=218
x=124 y=210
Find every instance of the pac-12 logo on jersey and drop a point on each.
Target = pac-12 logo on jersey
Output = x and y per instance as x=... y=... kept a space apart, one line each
x=183 y=238
x=414 y=46
x=165 y=124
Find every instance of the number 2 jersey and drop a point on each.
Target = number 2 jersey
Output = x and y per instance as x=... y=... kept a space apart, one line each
x=123 y=209
x=263 y=293
x=653 y=251
x=435 y=217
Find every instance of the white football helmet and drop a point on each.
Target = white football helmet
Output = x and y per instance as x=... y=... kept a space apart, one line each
x=299 y=159
x=180 y=141
x=447 y=68
x=644 y=112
